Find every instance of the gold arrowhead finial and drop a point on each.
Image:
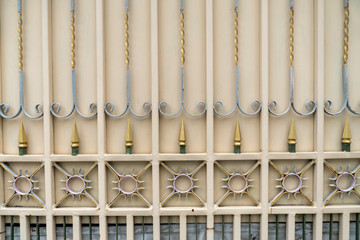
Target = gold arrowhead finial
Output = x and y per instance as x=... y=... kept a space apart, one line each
x=346 y=137
x=292 y=133
x=237 y=134
x=182 y=138
x=75 y=136
x=22 y=137
x=128 y=137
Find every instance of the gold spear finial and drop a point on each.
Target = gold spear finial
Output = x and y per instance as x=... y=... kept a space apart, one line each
x=292 y=137
x=22 y=141
x=237 y=138
x=346 y=137
x=182 y=138
x=75 y=140
x=128 y=139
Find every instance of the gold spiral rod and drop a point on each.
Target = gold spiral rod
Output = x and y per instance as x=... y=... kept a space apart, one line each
x=182 y=41
x=72 y=39
x=236 y=40
x=346 y=37
x=20 y=42
x=291 y=38
x=127 y=60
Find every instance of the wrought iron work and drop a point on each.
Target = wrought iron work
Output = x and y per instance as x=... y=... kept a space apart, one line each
x=4 y=107
x=311 y=105
x=55 y=107
x=255 y=104
x=80 y=177
x=109 y=106
x=346 y=104
x=127 y=185
x=341 y=177
x=287 y=176
x=185 y=189
x=235 y=178
x=201 y=106
x=25 y=179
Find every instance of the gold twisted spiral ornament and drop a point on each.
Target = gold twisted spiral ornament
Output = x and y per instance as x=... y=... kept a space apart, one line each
x=127 y=60
x=346 y=37
x=72 y=39
x=20 y=42
x=182 y=41
x=291 y=31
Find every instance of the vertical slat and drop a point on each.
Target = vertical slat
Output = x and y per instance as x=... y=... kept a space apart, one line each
x=76 y=228
x=237 y=227
x=250 y=234
x=290 y=226
x=37 y=228
x=12 y=228
x=130 y=227
x=90 y=228
x=196 y=228
x=357 y=237
x=304 y=227
x=331 y=227
x=24 y=228
x=209 y=118
x=222 y=228
x=182 y=227
x=344 y=230
x=143 y=228
x=64 y=227
x=264 y=116
x=277 y=227
x=117 y=228
x=169 y=228
x=2 y=228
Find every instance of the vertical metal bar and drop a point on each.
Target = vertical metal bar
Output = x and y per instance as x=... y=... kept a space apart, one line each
x=169 y=230
x=331 y=227
x=12 y=227
x=37 y=228
x=64 y=227
x=90 y=228
x=250 y=227
x=304 y=227
x=277 y=227
x=222 y=227
x=357 y=227
x=117 y=227
x=196 y=228
x=143 y=227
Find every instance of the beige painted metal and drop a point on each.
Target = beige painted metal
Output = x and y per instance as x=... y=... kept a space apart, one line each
x=154 y=37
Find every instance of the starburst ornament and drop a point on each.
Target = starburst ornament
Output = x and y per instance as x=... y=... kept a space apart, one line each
x=182 y=183
x=344 y=182
x=291 y=183
x=76 y=184
x=237 y=183
x=128 y=185
x=23 y=185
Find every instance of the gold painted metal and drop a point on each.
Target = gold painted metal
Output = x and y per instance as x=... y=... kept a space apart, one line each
x=182 y=137
x=20 y=42
x=72 y=27
x=129 y=136
x=283 y=191
x=291 y=38
x=230 y=191
x=127 y=60
x=292 y=133
x=237 y=134
x=22 y=137
x=182 y=41
x=346 y=37
x=236 y=40
x=75 y=136
x=346 y=136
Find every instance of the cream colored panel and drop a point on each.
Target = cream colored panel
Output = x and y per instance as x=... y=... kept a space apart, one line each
x=140 y=73
x=169 y=73
x=85 y=73
x=224 y=73
x=279 y=73
x=334 y=42
x=32 y=73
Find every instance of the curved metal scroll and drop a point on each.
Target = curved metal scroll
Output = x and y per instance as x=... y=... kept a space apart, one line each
x=4 y=107
x=255 y=104
x=329 y=103
x=55 y=107
x=182 y=106
x=273 y=104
